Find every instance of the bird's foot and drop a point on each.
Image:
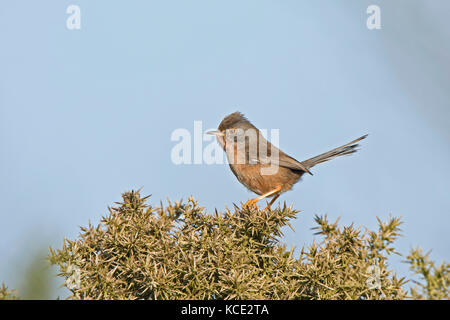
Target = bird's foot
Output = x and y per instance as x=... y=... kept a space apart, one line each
x=251 y=204
x=269 y=204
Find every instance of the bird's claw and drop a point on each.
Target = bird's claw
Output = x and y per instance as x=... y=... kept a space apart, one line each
x=251 y=204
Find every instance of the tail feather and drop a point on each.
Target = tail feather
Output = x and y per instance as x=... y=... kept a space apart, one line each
x=346 y=149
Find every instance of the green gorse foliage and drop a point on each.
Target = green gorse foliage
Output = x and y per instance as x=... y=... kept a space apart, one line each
x=179 y=251
x=435 y=279
x=6 y=294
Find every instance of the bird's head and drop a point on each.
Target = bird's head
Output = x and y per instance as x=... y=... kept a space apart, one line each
x=231 y=127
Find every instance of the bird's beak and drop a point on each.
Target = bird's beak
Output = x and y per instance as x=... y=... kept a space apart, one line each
x=216 y=133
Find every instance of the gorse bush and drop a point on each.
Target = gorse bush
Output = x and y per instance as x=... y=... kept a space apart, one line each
x=6 y=294
x=179 y=251
x=436 y=279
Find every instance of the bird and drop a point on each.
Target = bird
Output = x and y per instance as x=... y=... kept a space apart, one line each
x=259 y=165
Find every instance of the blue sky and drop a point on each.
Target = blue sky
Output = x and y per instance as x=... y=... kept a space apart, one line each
x=88 y=114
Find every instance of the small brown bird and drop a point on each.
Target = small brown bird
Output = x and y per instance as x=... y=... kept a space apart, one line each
x=259 y=165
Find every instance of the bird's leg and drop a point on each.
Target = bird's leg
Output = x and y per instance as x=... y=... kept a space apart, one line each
x=252 y=202
x=272 y=201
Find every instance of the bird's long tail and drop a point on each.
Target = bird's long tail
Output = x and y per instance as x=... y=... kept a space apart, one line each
x=346 y=149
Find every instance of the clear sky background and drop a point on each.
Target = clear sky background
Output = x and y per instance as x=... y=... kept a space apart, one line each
x=87 y=114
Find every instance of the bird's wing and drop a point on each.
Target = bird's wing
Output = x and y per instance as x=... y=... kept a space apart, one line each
x=275 y=156
x=289 y=162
